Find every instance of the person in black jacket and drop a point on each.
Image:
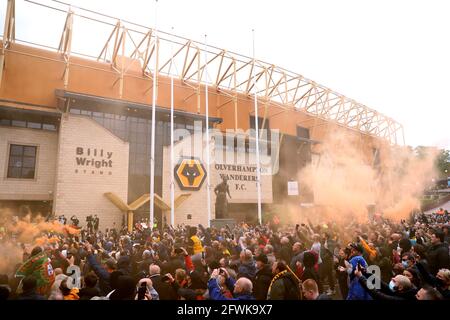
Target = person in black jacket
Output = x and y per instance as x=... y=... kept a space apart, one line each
x=400 y=288
x=286 y=250
x=126 y=289
x=326 y=267
x=309 y=260
x=428 y=293
x=29 y=289
x=90 y=287
x=438 y=254
x=246 y=266
x=263 y=277
x=284 y=285
x=441 y=281
x=166 y=290
x=103 y=272
x=341 y=271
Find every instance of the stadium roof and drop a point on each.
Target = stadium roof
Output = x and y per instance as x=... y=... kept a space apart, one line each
x=195 y=64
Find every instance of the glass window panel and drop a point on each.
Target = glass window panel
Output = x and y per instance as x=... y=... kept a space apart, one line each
x=15 y=162
x=120 y=134
x=29 y=151
x=141 y=138
x=28 y=173
x=108 y=124
x=22 y=161
x=109 y=116
x=5 y=122
x=98 y=119
x=133 y=148
x=118 y=124
x=29 y=162
x=97 y=114
x=34 y=125
x=16 y=150
x=48 y=126
x=85 y=112
x=19 y=123
x=14 y=172
x=142 y=128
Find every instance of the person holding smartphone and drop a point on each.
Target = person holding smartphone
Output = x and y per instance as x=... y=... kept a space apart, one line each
x=145 y=290
x=357 y=262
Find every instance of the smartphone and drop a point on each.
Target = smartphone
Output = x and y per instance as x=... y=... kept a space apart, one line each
x=142 y=291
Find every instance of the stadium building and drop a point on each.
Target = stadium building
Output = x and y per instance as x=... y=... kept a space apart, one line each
x=76 y=122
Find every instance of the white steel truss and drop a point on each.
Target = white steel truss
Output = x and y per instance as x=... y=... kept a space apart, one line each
x=228 y=72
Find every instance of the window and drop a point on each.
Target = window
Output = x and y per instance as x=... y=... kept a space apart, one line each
x=34 y=125
x=28 y=124
x=260 y=123
x=264 y=132
x=48 y=126
x=19 y=123
x=22 y=161
x=302 y=132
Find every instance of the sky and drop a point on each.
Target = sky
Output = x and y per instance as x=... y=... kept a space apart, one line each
x=390 y=55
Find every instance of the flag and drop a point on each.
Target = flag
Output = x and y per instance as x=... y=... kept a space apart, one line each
x=38 y=266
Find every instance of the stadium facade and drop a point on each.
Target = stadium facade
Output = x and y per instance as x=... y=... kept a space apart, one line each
x=75 y=127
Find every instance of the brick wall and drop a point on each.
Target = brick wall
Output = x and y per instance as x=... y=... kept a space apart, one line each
x=80 y=188
x=40 y=188
x=196 y=204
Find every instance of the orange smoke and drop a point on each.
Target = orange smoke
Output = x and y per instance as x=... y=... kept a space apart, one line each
x=27 y=231
x=346 y=182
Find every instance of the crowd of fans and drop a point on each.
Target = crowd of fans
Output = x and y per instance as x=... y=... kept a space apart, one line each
x=243 y=262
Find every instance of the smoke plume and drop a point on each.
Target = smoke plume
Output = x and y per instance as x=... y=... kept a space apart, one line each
x=347 y=179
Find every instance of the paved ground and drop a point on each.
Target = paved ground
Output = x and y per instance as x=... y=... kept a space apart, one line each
x=445 y=206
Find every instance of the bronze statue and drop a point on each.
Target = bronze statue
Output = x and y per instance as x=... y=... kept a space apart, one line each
x=221 y=191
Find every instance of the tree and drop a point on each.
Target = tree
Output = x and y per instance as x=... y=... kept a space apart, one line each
x=443 y=163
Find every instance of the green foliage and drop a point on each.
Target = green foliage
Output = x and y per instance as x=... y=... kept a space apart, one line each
x=443 y=163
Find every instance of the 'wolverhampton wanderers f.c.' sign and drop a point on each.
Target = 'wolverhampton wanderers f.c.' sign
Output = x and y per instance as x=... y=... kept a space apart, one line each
x=190 y=174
